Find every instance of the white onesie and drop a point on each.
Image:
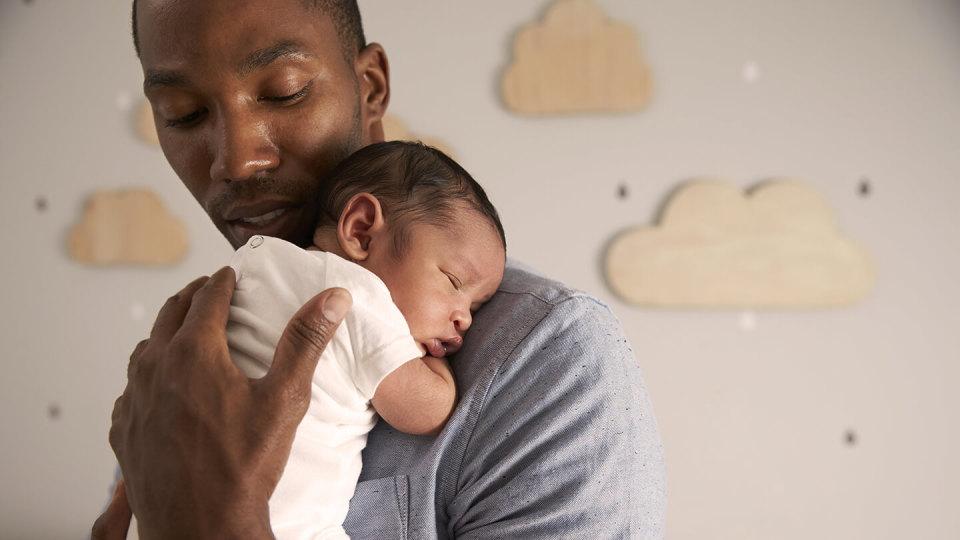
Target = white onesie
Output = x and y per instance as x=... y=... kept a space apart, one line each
x=274 y=279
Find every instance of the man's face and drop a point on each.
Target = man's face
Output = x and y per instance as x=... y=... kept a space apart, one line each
x=254 y=103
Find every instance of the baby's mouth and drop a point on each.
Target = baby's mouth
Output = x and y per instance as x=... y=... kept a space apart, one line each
x=435 y=348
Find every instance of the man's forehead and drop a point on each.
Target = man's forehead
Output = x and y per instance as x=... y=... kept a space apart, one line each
x=165 y=7
x=232 y=22
x=230 y=33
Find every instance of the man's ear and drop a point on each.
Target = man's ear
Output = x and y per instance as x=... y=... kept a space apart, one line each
x=373 y=74
x=361 y=222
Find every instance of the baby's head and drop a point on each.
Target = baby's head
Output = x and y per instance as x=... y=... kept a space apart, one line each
x=416 y=219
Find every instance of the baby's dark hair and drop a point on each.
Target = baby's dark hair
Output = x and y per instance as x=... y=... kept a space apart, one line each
x=413 y=182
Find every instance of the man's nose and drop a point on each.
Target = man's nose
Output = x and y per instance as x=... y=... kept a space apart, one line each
x=243 y=147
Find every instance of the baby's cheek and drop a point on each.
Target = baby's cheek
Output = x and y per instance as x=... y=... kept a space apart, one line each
x=413 y=313
x=426 y=319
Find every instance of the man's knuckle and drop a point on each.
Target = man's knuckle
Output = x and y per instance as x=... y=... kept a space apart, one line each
x=118 y=405
x=141 y=346
x=173 y=299
x=181 y=347
x=311 y=334
x=114 y=437
x=211 y=289
x=136 y=358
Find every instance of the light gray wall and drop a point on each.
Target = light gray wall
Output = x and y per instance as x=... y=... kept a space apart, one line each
x=753 y=420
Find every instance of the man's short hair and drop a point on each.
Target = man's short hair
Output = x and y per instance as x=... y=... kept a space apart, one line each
x=345 y=15
x=414 y=183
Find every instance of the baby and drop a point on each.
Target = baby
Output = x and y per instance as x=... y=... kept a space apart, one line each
x=420 y=247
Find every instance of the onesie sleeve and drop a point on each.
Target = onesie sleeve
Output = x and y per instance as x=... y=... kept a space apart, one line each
x=379 y=334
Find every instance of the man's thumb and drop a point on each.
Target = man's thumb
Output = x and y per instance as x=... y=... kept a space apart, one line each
x=306 y=336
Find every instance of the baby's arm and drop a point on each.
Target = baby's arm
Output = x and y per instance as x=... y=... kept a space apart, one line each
x=417 y=397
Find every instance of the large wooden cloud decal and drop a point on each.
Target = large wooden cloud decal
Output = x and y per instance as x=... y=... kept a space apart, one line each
x=776 y=246
x=127 y=227
x=576 y=61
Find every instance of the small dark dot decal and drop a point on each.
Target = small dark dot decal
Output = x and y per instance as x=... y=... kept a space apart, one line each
x=865 y=187
x=622 y=191
x=53 y=411
x=850 y=437
x=41 y=204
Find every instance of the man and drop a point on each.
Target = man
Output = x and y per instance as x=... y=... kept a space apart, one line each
x=553 y=435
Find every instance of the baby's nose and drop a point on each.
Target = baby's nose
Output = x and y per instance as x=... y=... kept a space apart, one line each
x=462 y=321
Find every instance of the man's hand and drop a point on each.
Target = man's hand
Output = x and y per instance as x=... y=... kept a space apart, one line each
x=115 y=520
x=200 y=445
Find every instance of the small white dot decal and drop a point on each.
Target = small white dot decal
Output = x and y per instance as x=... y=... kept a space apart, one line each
x=748 y=321
x=137 y=312
x=123 y=101
x=750 y=71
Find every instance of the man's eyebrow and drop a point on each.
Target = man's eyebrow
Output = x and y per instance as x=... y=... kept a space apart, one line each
x=263 y=57
x=256 y=60
x=163 y=78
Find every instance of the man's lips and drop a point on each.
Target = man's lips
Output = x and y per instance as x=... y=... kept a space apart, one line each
x=255 y=211
x=263 y=219
x=280 y=220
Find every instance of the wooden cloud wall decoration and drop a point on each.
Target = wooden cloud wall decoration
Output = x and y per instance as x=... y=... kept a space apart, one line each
x=395 y=129
x=144 y=124
x=127 y=227
x=776 y=246
x=576 y=61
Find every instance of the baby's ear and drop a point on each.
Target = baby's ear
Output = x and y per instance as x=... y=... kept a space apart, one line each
x=360 y=221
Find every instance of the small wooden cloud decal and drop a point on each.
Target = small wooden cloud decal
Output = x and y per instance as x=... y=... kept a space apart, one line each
x=776 y=246
x=576 y=61
x=127 y=228
x=395 y=129
x=143 y=123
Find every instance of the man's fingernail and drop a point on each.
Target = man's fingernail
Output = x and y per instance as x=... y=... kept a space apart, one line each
x=336 y=305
